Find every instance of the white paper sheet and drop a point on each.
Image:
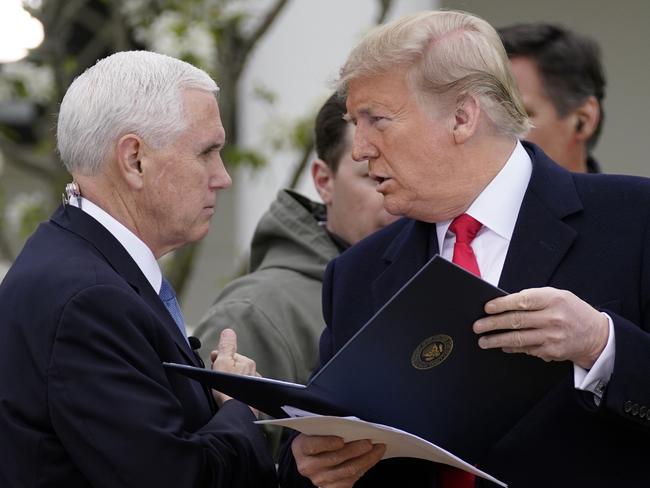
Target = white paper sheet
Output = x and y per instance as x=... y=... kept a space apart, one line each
x=398 y=442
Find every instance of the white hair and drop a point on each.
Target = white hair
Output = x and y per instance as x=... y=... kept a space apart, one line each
x=135 y=92
x=445 y=52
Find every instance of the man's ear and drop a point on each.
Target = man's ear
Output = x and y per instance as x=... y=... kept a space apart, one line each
x=466 y=117
x=323 y=180
x=130 y=149
x=586 y=118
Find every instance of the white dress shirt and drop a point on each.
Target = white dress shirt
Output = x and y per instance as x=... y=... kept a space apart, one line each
x=137 y=249
x=497 y=208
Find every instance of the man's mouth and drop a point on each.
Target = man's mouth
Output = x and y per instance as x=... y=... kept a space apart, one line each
x=379 y=179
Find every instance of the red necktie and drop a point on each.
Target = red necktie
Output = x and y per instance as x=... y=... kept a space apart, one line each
x=465 y=228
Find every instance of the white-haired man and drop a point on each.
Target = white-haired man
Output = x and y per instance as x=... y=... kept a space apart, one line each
x=88 y=318
x=438 y=118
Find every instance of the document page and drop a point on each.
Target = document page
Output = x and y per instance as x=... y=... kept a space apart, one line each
x=398 y=442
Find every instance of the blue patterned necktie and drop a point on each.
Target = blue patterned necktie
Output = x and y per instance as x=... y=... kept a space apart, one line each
x=168 y=298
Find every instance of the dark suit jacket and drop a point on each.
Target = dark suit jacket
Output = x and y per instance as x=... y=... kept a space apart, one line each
x=584 y=233
x=84 y=398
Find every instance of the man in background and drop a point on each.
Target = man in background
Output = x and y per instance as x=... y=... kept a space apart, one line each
x=562 y=84
x=276 y=309
x=87 y=317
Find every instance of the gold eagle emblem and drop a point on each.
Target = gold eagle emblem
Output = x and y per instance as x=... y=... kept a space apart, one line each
x=432 y=351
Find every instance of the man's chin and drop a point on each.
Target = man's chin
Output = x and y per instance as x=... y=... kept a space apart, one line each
x=199 y=233
x=394 y=209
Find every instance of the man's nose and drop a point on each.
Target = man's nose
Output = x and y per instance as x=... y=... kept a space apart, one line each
x=220 y=178
x=362 y=148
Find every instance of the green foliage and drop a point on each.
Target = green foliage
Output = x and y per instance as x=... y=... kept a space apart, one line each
x=216 y=35
x=239 y=156
x=210 y=34
x=30 y=218
x=302 y=134
x=70 y=66
x=263 y=93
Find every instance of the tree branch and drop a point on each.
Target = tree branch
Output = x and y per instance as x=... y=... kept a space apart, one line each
x=268 y=20
x=384 y=8
x=302 y=164
x=26 y=160
x=182 y=266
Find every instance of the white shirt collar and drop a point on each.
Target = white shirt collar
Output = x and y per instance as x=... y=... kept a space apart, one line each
x=497 y=206
x=137 y=249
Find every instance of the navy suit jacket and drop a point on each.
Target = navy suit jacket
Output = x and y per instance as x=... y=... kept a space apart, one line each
x=84 y=398
x=585 y=233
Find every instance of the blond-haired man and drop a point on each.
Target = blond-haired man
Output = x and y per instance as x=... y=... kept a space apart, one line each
x=438 y=118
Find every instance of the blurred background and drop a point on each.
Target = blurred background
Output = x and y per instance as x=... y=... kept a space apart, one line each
x=275 y=61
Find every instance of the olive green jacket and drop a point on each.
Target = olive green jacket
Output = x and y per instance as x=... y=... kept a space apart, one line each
x=276 y=309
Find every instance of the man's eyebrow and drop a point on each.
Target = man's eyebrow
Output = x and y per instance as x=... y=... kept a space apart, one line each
x=214 y=146
x=363 y=111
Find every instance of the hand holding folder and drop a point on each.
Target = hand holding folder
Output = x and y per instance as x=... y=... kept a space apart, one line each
x=429 y=378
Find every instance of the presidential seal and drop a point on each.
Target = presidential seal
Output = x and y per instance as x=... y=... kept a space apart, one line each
x=432 y=351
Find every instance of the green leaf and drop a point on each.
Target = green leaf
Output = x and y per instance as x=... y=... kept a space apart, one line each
x=33 y=215
x=238 y=156
x=303 y=133
x=265 y=94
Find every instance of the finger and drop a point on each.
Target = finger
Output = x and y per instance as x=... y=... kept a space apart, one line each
x=213 y=355
x=311 y=445
x=220 y=398
x=516 y=339
x=504 y=321
x=530 y=299
x=528 y=351
x=350 y=450
x=373 y=457
x=227 y=343
x=318 y=457
x=240 y=358
x=244 y=364
x=348 y=472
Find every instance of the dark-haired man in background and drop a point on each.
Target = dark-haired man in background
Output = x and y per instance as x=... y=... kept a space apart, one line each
x=562 y=85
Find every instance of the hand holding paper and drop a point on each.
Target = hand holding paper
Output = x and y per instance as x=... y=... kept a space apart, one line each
x=327 y=459
x=398 y=443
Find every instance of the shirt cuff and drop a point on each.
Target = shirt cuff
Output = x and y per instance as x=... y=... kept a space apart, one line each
x=595 y=380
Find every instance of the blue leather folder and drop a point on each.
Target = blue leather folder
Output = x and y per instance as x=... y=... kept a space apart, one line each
x=416 y=365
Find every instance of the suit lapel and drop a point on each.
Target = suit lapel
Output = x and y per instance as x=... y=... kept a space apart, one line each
x=404 y=257
x=541 y=238
x=86 y=227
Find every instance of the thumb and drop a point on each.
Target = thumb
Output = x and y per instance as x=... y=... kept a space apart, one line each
x=227 y=343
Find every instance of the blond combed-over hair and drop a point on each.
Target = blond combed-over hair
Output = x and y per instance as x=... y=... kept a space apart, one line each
x=445 y=52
